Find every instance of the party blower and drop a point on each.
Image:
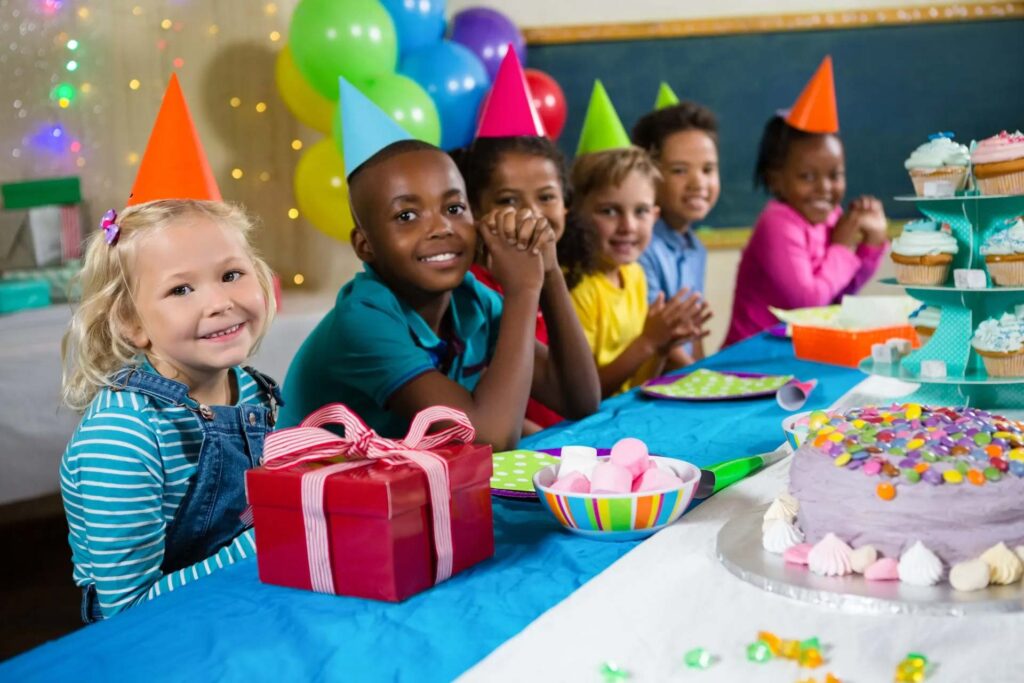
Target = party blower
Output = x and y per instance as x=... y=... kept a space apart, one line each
x=715 y=478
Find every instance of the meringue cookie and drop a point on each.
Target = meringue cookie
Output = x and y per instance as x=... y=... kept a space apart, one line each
x=969 y=576
x=885 y=569
x=797 y=554
x=919 y=566
x=784 y=507
x=830 y=557
x=1004 y=565
x=781 y=535
x=862 y=558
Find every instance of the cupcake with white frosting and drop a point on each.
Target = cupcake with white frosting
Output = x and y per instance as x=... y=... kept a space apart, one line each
x=925 y=320
x=1004 y=253
x=938 y=168
x=923 y=253
x=1000 y=343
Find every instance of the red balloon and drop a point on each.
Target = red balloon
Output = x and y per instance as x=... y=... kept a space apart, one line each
x=549 y=100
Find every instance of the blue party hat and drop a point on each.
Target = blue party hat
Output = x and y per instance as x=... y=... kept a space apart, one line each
x=365 y=128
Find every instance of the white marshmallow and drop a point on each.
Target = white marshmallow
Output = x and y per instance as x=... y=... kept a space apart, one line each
x=969 y=278
x=884 y=354
x=933 y=369
x=582 y=459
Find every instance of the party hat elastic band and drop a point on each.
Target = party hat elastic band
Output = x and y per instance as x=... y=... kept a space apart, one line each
x=666 y=97
x=602 y=128
x=815 y=110
x=365 y=128
x=508 y=110
x=174 y=165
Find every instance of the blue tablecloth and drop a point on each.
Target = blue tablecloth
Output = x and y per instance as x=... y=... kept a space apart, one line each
x=231 y=627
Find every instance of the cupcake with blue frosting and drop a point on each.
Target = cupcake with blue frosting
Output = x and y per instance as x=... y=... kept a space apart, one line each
x=1004 y=253
x=923 y=253
x=938 y=168
x=1000 y=343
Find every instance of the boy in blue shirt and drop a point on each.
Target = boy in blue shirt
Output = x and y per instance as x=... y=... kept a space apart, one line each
x=683 y=139
x=415 y=329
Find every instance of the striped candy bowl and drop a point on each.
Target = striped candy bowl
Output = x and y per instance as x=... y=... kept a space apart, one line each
x=619 y=516
x=795 y=433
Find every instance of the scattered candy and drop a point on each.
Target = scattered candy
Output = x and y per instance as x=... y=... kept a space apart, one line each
x=759 y=652
x=698 y=658
x=612 y=672
x=886 y=491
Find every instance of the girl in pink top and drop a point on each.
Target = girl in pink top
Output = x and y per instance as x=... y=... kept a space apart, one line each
x=804 y=251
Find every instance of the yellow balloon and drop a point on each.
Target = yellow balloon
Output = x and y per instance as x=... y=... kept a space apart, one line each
x=309 y=106
x=322 y=192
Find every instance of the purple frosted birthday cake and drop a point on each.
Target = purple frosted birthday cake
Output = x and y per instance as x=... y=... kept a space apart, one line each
x=910 y=493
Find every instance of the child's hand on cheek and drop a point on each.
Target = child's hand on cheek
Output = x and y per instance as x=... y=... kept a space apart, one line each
x=515 y=241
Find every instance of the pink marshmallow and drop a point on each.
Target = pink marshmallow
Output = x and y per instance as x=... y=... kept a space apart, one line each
x=610 y=478
x=631 y=454
x=574 y=482
x=797 y=554
x=885 y=569
x=656 y=479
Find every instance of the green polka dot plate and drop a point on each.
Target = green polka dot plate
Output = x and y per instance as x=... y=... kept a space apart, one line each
x=712 y=385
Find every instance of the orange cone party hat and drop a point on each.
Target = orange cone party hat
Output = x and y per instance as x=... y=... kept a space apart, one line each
x=508 y=109
x=815 y=109
x=174 y=165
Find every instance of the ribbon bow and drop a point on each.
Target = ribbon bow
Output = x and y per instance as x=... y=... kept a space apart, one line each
x=309 y=442
x=110 y=228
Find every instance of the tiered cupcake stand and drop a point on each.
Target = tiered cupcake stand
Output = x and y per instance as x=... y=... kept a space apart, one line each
x=972 y=218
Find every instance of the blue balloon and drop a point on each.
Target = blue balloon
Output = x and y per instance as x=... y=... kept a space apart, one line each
x=456 y=80
x=419 y=23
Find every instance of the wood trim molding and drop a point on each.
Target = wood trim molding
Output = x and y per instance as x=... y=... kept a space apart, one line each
x=887 y=16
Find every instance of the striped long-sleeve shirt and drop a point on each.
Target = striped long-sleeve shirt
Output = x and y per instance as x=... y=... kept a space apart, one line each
x=123 y=476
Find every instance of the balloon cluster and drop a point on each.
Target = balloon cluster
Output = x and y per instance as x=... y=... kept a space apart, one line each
x=395 y=52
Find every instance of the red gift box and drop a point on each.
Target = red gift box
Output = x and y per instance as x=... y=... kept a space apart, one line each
x=378 y=528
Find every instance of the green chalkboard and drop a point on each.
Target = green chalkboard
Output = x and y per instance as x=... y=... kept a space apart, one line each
x=894 y=86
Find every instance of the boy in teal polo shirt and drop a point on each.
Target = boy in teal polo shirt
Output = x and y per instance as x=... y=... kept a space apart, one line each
x=415 y=329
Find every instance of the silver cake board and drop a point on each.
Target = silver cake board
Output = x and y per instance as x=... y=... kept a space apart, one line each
x=739 y=549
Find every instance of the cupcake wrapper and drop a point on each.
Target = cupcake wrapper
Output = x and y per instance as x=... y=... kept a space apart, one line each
x=1008 y=183
x=1007 y=273
x=1004 y=366
x=942 y=182
x=920 y=274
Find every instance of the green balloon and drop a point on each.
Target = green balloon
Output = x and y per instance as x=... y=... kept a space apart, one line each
x=407 y=104
x=405 y=101
x=351 y=38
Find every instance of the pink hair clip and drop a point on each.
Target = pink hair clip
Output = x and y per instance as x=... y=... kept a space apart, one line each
x=111 y=231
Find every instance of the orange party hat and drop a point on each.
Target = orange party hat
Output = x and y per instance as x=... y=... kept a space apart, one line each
x=174 y=165
x=815 y=109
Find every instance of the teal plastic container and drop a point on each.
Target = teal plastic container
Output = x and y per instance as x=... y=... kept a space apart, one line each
x=19 y=295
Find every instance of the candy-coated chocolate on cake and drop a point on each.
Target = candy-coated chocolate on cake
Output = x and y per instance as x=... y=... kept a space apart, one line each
x=929 y=486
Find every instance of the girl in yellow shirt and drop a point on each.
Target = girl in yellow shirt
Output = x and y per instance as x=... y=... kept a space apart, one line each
x=610 y=226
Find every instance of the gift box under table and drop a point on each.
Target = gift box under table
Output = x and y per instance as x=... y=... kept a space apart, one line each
x=379 y=523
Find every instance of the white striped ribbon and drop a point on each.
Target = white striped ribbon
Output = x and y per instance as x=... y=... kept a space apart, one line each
x=309 y=442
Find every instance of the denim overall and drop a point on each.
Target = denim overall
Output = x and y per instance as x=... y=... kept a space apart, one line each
x=209 y=516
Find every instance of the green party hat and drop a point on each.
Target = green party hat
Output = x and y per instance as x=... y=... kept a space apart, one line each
x=602 y=128
x=666 y=97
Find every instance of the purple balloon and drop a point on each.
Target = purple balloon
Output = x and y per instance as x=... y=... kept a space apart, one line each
x=487 y=33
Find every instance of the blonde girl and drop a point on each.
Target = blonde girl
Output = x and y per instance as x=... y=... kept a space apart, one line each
x=174 y=300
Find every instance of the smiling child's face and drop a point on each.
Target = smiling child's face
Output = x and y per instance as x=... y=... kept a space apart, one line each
x=199 y=305
x=415 y=226
x=624 y=217
x=813 y=177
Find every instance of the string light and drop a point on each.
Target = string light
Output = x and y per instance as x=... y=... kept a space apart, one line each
x=293 y=213
x=71 y=65
x=236 y=173
x=133 y=158
x=270 y=9
x=296 y=144
x=178 y=62
x=235 y=102
x=83 y=12
x=166 y=24
x=261 y=107
x=72 y=44
x=86 y=88
x=264 y=176
x=299 y=278
x=134 y=84
x=275 y=36
x=137 y=11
